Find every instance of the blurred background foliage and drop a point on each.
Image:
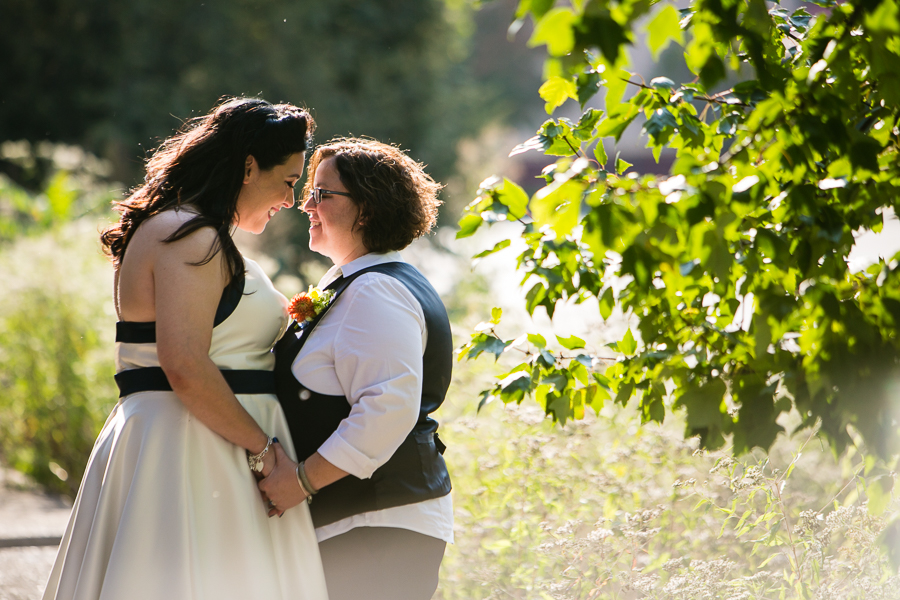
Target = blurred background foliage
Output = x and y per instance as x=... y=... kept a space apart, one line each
x=117 y=78
x=56 y=317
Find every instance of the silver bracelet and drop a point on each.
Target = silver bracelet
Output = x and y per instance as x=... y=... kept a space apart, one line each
x=302 y=487
x=256 y=460
x=301 y=474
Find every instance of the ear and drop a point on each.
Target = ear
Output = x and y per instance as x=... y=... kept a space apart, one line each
x=250 y=167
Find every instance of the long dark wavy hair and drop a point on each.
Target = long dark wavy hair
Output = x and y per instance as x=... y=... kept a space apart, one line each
x=202 y=166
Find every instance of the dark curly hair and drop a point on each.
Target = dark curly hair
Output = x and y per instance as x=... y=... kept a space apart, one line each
x=396 y=198
x=202 y=166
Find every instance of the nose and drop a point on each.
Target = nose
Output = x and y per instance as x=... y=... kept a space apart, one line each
x=307 y=204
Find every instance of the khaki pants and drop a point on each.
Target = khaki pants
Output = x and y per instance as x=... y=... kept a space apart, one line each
x=381 y=563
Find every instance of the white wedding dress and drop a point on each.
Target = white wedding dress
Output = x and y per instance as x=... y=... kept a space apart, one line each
x=169 y=510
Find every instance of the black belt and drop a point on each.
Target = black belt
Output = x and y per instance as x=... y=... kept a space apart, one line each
x=153 y=379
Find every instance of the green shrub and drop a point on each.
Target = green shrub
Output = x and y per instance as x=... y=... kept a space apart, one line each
x=56 y=353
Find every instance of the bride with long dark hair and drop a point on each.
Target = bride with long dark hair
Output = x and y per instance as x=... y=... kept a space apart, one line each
x=168 y=507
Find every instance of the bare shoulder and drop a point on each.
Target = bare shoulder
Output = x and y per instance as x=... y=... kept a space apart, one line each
x=161 y=226
x=153 y=232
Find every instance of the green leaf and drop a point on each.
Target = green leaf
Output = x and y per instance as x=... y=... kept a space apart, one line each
x=864 y=153
x=515 y=386
x=622 y=165
x=483 y=343
x=561 y=407
x=600 y=154
x=869 y=464
x=468 y=225
x=879 y=494
x=713 y=71
x=704 y=406
x=579 y=372
x=762 y=335
x=556 y=90
x=535 y=297
x=600 y=30
x=660 y=126
x=537 y=339
x=652 y=407
x=584 y=129
x=884 y=19
x=555 y=30
x=496 y=313
x=546 y=357
x=571 y=342
x=664 y=28
x=559 y=206
x=700 y=47
x=616 y=79
x=588 y=86
x=627 y=345
x=596 y=397
x=607 y=303
x=555 y=137
x=513 y=197
x=497 y=247
x=662 y=83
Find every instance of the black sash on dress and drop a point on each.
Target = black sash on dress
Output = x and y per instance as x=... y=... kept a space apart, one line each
x=153 y=379
x=417 y=471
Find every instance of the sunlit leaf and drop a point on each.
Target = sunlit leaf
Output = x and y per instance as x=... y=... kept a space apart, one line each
x=555 y=30
x=571 y=342
x=556 y=90
x=664 y=28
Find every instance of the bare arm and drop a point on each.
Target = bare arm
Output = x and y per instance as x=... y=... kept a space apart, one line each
x=186 y=298
x=281 y=485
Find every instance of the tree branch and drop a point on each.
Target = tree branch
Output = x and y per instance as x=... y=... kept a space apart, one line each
x=711 y=99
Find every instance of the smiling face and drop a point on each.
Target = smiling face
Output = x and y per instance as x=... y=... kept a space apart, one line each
x=334 y=230
x=264 y=193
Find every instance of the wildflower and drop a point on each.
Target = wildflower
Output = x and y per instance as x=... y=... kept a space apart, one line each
x=723 y=464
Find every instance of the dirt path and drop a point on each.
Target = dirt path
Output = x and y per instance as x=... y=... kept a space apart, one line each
x=27 y=516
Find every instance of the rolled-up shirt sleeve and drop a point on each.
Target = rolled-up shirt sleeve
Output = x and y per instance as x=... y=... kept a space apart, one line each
x=378 y=351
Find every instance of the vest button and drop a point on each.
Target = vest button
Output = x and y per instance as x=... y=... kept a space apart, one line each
x=304 y=395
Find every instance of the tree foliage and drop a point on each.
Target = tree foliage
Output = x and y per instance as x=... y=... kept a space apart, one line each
x=114 y=76
x=733 y=266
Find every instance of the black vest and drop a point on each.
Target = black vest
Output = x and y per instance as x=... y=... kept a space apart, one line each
x=417 y=471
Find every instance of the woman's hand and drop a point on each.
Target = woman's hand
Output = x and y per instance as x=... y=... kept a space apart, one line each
x=268 y=464
x=280 y=486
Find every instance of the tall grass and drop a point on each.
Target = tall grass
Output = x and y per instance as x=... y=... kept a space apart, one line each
x=607 y=508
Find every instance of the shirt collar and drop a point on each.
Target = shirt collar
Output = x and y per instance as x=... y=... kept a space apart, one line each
x=363 y=262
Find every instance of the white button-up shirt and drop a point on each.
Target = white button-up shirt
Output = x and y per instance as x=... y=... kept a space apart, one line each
x=368 y=348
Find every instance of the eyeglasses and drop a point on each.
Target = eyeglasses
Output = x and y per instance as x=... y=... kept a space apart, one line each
x=317 y=193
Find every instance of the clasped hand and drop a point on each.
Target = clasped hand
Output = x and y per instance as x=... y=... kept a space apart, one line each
x=279 y=486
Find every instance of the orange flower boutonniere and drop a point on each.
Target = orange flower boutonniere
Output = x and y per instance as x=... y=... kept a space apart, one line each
x=306 y=305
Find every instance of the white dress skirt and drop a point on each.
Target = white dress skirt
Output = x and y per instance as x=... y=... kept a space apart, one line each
x=169 y=510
